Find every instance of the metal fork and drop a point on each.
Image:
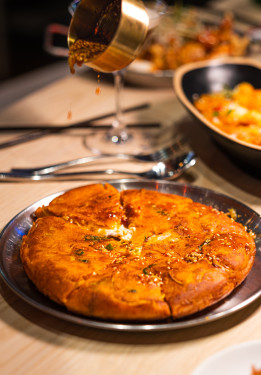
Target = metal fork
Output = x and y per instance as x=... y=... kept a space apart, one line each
x=164 y=153
x=171 y=169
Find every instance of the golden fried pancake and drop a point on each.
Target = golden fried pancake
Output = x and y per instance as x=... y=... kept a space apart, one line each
x=135 y=255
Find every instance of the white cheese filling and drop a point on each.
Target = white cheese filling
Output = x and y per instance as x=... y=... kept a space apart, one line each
x=121 y=231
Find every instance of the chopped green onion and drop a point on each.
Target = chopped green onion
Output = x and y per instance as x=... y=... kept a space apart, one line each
x=147 y=269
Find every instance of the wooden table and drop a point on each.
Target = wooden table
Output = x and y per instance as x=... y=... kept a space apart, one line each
x=32 y=342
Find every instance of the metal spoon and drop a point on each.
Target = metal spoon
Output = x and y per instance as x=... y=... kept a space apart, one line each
x=168 y=170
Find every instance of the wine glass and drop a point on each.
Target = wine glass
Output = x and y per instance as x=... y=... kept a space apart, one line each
x=107 y=36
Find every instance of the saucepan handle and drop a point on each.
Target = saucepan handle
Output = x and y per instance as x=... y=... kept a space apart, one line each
x=51 y=31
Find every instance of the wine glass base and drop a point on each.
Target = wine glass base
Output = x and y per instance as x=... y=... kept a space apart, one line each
x=131 y=142
x=120 y=138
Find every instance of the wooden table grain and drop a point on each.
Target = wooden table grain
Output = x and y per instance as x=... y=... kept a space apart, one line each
x=32 y=342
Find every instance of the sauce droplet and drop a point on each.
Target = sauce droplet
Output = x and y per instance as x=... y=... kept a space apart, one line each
x=69 y=115
x=98 y=89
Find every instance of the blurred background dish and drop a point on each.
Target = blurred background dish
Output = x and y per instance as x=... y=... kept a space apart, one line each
x=140 y=73
x=241 y=359
x=185 y=35
x=193 y=80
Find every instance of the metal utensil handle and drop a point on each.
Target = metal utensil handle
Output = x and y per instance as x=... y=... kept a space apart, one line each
x=55 y=167
x=67 y=176
x=50 y=32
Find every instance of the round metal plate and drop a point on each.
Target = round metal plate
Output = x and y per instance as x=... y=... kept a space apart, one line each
x=13 y=274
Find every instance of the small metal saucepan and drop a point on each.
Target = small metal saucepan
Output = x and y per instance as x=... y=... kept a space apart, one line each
x=124 y=26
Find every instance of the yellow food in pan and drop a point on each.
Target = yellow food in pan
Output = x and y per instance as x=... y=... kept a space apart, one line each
x=236 y=111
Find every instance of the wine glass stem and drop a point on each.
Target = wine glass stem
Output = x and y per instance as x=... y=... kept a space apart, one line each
x=118 y=85
x=118 y=124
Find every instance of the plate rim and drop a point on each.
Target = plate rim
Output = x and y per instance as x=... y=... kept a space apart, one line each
x=61 y=312
x=222 y=352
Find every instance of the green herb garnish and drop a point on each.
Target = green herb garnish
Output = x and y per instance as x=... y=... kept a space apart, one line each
x=206 y=242
x=94 y=238
x=229 y=111
x=227 y=92
x=84 y=260
x=146 y=270
x=79 y=252
x=162 y=212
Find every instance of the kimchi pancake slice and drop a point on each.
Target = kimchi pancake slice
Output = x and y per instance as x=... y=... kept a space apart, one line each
x=58 y=256
x=123 y=294
x=89 y=274
x=149 y=212
x=95 y=206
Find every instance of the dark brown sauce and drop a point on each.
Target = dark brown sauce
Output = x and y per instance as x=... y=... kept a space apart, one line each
x=83 y=51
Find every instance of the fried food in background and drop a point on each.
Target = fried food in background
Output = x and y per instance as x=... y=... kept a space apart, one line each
x=182 y=38
x=235 y=111
x=255 y=371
